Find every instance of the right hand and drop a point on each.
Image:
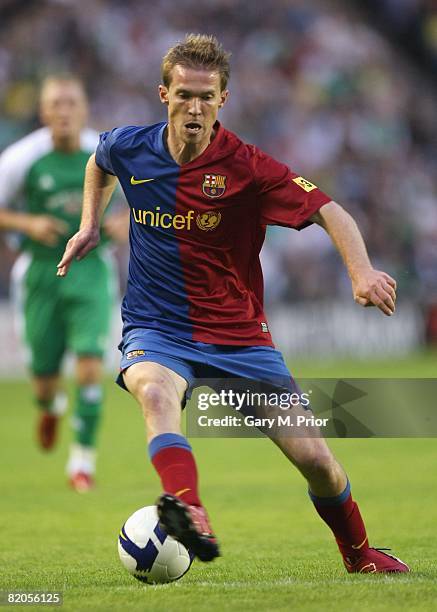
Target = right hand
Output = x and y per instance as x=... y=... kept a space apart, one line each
x=79 y=245
x=375 y=288
x=45 y=229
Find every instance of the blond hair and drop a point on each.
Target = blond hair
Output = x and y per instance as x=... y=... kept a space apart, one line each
x=197 y=51
x=56 y=79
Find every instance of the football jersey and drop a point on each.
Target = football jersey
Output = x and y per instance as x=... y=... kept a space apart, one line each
x=196 y=231
x=41 y=180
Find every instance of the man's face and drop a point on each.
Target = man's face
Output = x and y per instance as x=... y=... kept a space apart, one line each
x=193 y=98
x=63 y=108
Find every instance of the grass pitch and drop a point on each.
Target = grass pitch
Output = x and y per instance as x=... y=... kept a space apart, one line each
x=277 y=554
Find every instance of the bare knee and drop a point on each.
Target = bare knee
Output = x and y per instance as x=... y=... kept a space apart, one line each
x=154 y=385
x=159 y=392
x=161 y=408
x=154 y=397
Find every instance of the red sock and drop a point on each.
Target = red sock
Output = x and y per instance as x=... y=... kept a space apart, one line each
x=346 y=523
x=177 y=470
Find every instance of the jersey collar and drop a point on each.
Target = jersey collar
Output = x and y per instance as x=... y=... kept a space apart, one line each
x=208 y=154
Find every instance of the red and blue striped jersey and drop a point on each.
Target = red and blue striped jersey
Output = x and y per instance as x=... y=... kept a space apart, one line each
x=196 y=232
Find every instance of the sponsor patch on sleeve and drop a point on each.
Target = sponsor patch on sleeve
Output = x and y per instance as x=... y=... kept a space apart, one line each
x=134 y=354
x=306 y=185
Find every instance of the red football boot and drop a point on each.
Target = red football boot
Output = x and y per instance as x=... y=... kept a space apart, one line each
x=189 y=525
x=373 y=560
x=81 y=482
x=47 y=430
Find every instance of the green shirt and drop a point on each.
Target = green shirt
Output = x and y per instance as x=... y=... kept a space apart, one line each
x=44 y=181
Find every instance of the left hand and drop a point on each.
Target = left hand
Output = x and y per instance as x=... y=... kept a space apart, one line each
x=375 y=288
x=84 y=241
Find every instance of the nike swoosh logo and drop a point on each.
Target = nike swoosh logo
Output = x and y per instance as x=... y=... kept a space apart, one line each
x=181 y=492
x=134 y=181
x=358 y=546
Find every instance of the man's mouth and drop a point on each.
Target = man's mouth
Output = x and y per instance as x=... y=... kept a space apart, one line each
x=193 y=127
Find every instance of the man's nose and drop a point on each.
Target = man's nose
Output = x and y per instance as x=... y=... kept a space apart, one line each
x=195 y=107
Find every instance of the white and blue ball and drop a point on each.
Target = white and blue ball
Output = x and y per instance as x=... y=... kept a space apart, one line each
x=148 y=553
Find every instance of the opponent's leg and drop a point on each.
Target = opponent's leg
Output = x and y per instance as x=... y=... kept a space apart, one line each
x=86 y=418
x=160 y=391
x=329 y=490
x=87 y=316
x=45 y=339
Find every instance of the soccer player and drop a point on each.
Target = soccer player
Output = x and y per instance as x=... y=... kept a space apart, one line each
x=45 y=171
x=200 y=202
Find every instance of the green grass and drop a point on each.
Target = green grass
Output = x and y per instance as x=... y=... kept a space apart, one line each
x=418 y=365
x=277 y=555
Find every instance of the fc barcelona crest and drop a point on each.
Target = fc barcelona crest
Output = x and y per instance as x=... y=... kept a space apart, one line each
x=214 y=185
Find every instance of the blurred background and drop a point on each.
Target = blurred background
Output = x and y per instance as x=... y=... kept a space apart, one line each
x=343 y=92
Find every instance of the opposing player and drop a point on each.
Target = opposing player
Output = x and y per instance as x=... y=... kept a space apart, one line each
x=44 y=171
x=200 y=200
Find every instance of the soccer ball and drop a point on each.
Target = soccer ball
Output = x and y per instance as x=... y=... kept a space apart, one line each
x=148 y=553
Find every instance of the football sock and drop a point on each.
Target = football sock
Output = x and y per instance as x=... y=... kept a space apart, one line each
x=343 y=516
x=81 y=459
x=56 y=405
x=45 y=405
x=87 y=414
x=173 y=460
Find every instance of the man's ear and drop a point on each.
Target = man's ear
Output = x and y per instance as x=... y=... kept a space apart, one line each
x=163 y=94
x=223 y=97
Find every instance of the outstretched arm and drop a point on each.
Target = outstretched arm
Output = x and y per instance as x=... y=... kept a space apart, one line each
x=41 y=228
x=370 y=287
x=98 y=188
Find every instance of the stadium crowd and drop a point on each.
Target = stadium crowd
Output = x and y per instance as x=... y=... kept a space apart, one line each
x=413 y=23
x=312 y=84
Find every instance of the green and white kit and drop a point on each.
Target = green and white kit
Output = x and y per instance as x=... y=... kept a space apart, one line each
x=59 y=314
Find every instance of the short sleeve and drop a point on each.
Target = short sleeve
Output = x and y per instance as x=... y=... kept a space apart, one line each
x=285 y=198
x=103 y=151
x=15 y=162
x=10 y=180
